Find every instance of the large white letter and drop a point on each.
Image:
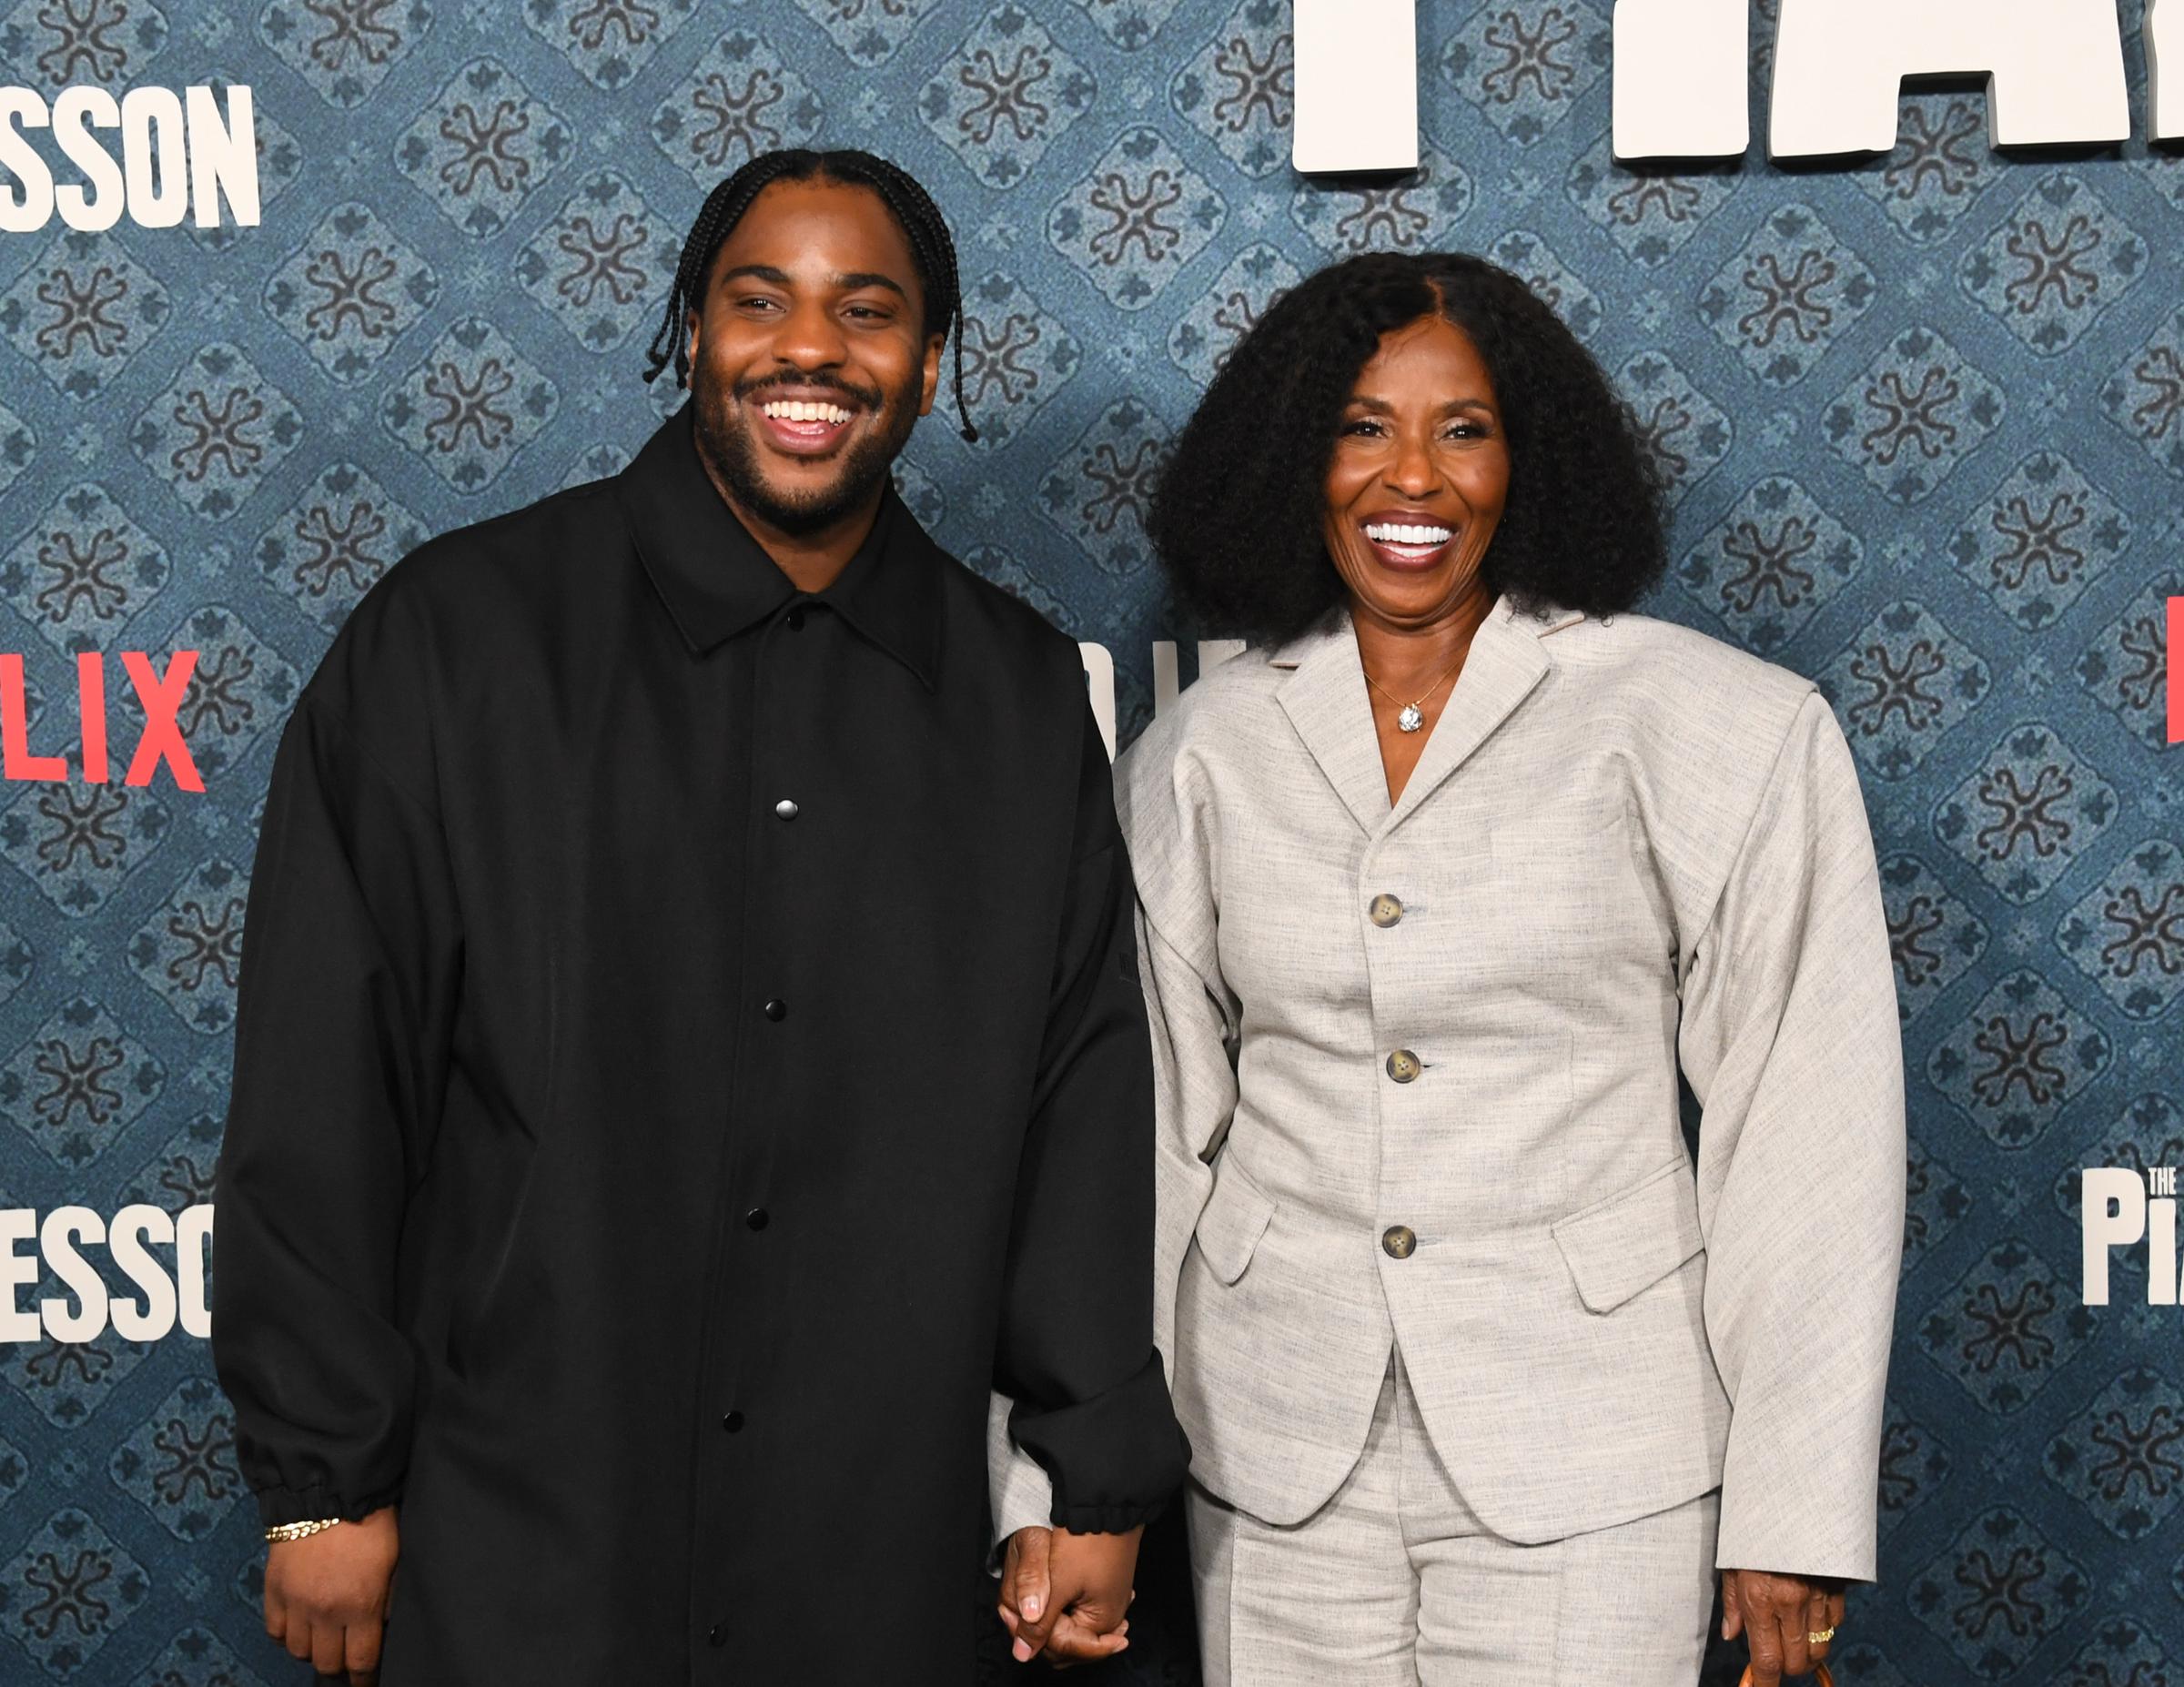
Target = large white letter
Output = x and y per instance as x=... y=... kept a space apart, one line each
x=2111 y=1211
x=151 y=1318
x=1357 y=86
x=2055 y=70
x=223 y=155
x=193 y=1249
x=2164 y=103
x=1099 y=686
x=74 y=113
x=63 y=1226
x=26 y=205
x=1682 y=78
x=152 y=118
x=19 y=1271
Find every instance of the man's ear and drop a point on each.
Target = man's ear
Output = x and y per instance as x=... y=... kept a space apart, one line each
x=690 y=331
x=935 y=345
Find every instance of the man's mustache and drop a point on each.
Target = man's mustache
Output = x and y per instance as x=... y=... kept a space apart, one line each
x=871 y=397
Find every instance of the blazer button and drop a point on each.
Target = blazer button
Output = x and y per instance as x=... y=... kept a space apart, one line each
x=1385 y=910
x=777 y=1010
x=1398 y=1241
x=1402 y=1066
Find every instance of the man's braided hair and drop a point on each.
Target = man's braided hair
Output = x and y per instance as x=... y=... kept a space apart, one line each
x=931 y=246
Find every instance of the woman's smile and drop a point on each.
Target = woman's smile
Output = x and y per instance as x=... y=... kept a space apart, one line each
x=1407 y=540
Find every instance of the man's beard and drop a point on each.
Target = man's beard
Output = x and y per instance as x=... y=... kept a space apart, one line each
x=733 y=455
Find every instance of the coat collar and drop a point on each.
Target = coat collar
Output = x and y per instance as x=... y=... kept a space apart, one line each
x=716 y=581
x=1328 y=704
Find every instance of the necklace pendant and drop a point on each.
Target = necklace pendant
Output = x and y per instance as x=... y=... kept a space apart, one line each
x=1412 y=719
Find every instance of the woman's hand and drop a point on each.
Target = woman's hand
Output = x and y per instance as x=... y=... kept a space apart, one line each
x=1778 y=1614
x=1068 y=1595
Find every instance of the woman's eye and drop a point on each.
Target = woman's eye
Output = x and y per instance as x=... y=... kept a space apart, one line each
x=1360 y=427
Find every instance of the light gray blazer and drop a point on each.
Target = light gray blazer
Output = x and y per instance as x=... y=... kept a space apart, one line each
x=1626 y=846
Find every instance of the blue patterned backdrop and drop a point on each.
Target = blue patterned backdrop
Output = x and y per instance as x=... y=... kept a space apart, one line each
x=1925 y=422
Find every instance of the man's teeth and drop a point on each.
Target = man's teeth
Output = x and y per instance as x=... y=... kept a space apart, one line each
x=1404 y=533
x=799 y=409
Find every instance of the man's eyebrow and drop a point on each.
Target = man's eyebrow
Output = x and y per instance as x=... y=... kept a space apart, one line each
x=848 y=283
x=856 y=278
x=756 y=272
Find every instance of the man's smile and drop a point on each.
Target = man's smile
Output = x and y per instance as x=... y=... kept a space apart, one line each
x=802 y=421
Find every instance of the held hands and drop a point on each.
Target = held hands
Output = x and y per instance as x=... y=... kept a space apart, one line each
x=325 y=1595
x=1777 y=1615
x=1068 y=1595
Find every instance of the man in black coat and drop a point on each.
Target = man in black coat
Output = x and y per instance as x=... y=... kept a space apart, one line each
x=691 y=1047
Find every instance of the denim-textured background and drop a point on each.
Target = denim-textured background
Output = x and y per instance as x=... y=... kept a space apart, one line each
x=1926 y=418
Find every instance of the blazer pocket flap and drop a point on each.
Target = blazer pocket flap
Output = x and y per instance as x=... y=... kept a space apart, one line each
x=1633 y=1239
x=1236 y=1216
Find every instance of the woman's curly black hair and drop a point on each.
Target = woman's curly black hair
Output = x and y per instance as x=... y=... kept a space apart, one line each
x=1236 y=515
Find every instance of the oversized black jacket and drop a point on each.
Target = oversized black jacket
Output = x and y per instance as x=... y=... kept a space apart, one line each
x=690 y=1048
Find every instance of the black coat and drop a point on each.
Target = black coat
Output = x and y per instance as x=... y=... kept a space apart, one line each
x=690 y=1046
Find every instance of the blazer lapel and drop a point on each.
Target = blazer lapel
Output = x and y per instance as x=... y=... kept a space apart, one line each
x=1505 y=662
x=1326 y=703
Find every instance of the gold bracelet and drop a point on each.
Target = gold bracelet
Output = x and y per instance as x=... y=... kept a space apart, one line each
x=301 y=1532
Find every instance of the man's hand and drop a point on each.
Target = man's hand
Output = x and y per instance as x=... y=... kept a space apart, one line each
x=325 y=1595
x=1776 y=1614
x=1068 y=1596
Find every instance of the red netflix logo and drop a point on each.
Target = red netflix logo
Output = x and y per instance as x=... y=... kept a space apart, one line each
x=160 y=739
x=2176 y=678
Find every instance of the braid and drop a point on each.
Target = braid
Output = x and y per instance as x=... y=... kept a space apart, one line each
x=932 y=249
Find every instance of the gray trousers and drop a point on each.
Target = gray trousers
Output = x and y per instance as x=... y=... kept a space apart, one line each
x=1395 y=1582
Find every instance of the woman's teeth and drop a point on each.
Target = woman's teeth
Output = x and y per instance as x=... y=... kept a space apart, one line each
x=798 y=409
x=1407 y=534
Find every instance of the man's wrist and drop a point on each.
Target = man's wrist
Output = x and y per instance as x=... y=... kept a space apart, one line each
x=301 y=1532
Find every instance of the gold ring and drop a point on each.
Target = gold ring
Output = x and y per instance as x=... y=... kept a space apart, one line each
x=1820 y=1637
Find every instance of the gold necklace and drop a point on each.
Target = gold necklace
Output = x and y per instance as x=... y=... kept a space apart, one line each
x=1413 y=716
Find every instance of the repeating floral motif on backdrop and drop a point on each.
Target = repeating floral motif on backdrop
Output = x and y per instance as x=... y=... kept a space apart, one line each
x=1922 y=419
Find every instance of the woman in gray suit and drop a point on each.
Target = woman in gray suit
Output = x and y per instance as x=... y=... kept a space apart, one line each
x=1439 y=888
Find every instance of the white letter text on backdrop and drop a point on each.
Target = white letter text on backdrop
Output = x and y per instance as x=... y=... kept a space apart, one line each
x=1357 y=87
x=2055 y=71
x=2165 y=40
x=2054 y=68
x=1682 y=78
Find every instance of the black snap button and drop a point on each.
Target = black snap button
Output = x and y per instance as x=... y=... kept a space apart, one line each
x=796 y=619
x=717 y=1635
x=732 y=1422
x=777 y=1010
x=756 y=1217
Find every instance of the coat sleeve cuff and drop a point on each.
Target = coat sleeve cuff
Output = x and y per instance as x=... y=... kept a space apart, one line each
x=1113 y=1459
x=308 y=1505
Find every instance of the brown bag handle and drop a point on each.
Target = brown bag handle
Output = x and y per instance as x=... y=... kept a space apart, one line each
x=1820 y=1674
